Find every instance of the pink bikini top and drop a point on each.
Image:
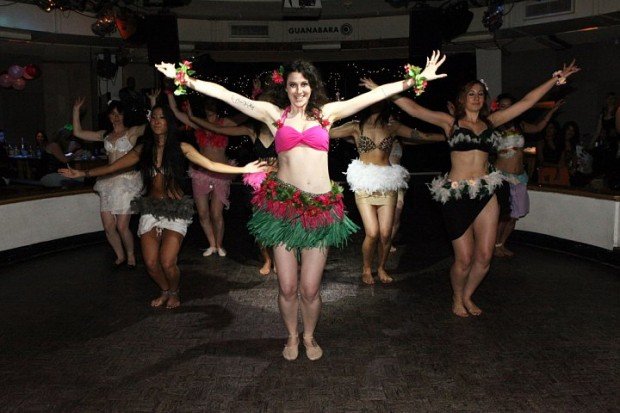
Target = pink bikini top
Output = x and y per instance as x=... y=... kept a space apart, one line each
x=287 y=137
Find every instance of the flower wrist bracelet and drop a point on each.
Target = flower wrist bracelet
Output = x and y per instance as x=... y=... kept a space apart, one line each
x=561 y=80
x=419 y=82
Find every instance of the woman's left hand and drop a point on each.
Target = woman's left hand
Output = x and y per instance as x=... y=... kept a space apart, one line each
x=432 y=64
x=167 y=69
x=256 y=166
x=569 y=70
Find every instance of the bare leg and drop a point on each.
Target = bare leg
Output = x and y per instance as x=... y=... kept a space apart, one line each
x=312 y=266
x=288 y=301
x=385 y=215
x=202 y=207
x=217 y=216
x=485 y=231
x=396 y=226
x=501 y=229
x=369 y=246
x=459 y=272
x=169 y=252
x=150 y=243
x=509 y=227
x=266 y=268
x=122 y=226
x=109 y=226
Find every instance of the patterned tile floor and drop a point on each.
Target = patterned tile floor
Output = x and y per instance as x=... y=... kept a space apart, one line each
x=76 y=336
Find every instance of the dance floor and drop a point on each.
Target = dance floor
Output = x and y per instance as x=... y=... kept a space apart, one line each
x=77 y=336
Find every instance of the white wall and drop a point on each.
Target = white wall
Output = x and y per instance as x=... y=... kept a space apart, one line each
x=582 y=219
x=31 y=222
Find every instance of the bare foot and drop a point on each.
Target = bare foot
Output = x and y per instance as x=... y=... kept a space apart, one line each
x=367 y=278
x=497 y=252
x=507 y=252
x=472 y=308
x=384 y=277
x=265 y=269
x=131 y=260
x=161 y=300
x=459 y=309
x=173 y=299
x=119 y=261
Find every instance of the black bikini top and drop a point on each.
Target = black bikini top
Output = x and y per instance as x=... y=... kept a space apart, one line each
x=463 y=139
x=263 y=152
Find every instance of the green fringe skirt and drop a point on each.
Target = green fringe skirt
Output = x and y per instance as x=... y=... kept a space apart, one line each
x=286 y=215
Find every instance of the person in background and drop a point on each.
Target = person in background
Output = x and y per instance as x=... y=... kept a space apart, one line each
x=549 y=156
x=513 y=198
x=115 y=191
x=211 y=190
x=53 y=158
x=165 y=211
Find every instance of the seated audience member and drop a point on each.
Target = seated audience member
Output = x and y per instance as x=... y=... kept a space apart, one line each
x=549 y=157
x=576 y=158
x=53 y=158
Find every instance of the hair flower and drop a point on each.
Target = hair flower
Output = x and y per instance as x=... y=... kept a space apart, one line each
x=277 y=76
x=494 y=105
x=180 y=80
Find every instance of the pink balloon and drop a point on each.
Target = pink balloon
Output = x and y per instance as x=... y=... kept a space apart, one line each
x=19 y=84
x=16 y=71
x=6 y=80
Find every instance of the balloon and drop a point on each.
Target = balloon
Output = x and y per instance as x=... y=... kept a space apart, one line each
x=16 y=71
x=31 y=72
x=6 y=80
x=19 y=84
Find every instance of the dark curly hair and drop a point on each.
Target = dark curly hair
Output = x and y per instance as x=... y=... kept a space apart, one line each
x=277 y=92
x=173 y=161
x=461 y=97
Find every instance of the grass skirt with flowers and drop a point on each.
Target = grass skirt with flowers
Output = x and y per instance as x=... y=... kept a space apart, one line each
x=286 y=215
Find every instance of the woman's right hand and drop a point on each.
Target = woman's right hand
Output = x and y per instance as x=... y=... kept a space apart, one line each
x=71 y=173
x=368 y=83
x=78 y=102
x=167 y=69
x=256 y=166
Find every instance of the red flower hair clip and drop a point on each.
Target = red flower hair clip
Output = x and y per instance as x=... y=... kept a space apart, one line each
x=277 y=76
x=494 y=105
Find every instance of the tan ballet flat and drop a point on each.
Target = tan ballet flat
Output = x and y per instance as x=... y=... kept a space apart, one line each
x=313 y=351
x=290 y=353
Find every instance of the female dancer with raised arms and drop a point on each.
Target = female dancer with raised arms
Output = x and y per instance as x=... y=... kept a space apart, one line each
x=466 y=193
x=165 y=211
x=375 y=181
x=115 y=191
x=300 y=211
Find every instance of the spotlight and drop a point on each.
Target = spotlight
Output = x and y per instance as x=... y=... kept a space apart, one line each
x=493 y=17
x=105 y=24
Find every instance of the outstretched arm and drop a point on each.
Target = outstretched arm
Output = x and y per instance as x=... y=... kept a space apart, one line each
x=181 y=116
x=409 y=106
x=505 y=115
x=342 y=109
x=195 y=157
x=241 y=130
x=87 y=135
x=263 y=111
x=414 y=136
x=128 y=160
x=540 y=125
